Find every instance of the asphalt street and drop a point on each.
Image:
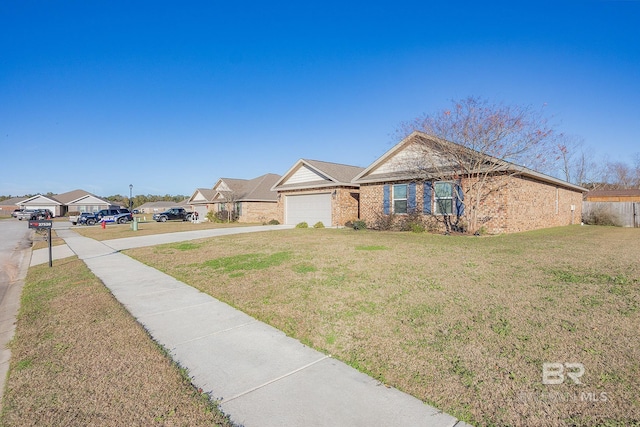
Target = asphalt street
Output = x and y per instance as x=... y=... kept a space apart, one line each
x=15 y=255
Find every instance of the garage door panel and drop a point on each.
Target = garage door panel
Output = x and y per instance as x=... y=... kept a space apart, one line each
x=310 y=208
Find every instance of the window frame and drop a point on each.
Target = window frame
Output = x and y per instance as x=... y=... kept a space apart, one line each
x=395 y=199
x=451 y=198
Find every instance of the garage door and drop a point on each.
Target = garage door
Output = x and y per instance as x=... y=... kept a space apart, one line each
x=309 y=208
x=202 y=211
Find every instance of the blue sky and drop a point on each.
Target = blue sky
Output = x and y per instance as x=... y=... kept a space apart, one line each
x=170 y=96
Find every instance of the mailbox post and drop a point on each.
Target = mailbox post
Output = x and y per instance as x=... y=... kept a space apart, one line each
x=45 y=224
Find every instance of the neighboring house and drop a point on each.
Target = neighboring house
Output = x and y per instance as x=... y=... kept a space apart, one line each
x=523 y=199
x=44 y=202
x=82 y=201
x=252 y=200
x=9 y=205
x=201 y=201
x=629 y=195
x=620 y=207
x=313 y=191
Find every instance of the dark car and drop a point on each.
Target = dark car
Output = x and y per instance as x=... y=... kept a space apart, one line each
x=173 y=214
x=86 y=218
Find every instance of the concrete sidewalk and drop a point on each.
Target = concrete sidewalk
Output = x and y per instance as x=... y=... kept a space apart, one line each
x=260 y=376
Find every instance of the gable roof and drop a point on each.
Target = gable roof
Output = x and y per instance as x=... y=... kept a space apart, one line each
x=206 y=195
x=12 y=201
x=248 y=190
x=307 y=173
x=75 y=195
x=395 y=164
x=52 y=200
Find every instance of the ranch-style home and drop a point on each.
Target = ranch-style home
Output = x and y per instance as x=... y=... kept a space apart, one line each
x=312 y=191
x=251 y=199
x=515 y=198
x=72 y=201
x=201 y=201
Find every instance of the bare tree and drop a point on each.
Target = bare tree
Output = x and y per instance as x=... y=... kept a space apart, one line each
x=576 y=162
x=482 y=143
x=230 y=200
x=621 y=175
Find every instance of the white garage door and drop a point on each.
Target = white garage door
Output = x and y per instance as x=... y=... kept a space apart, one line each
x=202 y=211
x=309 y=208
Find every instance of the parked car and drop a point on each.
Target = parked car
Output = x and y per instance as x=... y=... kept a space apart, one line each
x=85 y=218
x=120 y=216
x=172 y=214
x=34 y=214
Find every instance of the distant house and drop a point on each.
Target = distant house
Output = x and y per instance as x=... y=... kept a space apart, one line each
x=82 y=201
x=628 y=195
x=60 y=204
x=522 y=199
x=620 y=207
x=253 y=200
x=44 y=202
x=9 y=205
x=313 y=191
x=155 y=207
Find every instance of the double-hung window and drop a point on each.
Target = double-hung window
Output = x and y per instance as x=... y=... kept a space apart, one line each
x=443 y=198
x=400 y=198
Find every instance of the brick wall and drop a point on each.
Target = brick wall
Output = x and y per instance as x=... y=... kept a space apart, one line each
x=259 y=212
x=515 y=204
x=534 y=205
x=345 y=206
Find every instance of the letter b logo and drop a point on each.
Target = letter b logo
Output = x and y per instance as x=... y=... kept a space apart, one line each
x=554 y=373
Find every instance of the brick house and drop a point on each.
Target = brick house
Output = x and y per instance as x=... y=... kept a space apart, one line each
x=519 y=199
x=201 y=201
x=312 y=191
x=252 y=199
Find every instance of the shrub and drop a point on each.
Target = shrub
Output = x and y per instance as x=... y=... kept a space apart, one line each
x=226 y=216
x=417 y=227
x=302 y=225
x=211 y=216
x=318 y=224
x=274 y=222
x=383 y=222
x=359 y=225
x=410 y=222
x=600 y=216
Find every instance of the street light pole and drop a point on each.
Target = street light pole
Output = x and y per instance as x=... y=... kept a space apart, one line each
x=130 y=197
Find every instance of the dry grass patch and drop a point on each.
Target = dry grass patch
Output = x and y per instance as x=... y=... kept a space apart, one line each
x=118 y=231
x=463 y=323
x=40 y=239
x=79 y=359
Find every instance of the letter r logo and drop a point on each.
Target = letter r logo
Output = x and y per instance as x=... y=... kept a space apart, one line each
x=574 y=371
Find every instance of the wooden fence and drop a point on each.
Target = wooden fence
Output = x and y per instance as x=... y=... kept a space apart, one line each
x=624 y=214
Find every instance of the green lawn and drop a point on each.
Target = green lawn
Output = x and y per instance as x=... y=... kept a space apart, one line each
x=463 y=323
x=80 y=359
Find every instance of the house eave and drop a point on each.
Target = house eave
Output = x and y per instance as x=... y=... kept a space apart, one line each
x=311 y=185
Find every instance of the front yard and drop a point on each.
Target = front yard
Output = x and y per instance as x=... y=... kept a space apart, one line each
x=463 y=323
